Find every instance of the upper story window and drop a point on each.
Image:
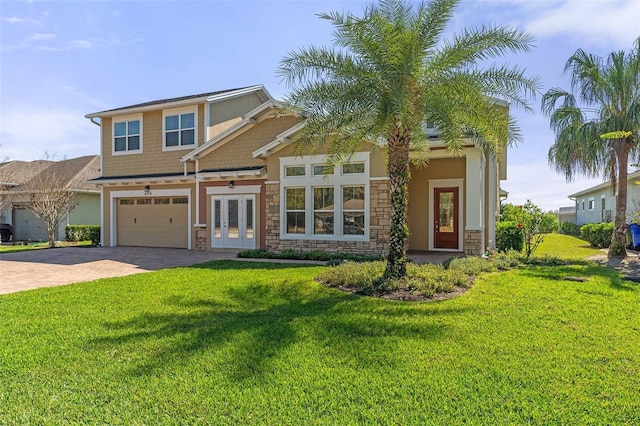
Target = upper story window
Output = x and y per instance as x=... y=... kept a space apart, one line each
x=180 y=128
x=127 y=134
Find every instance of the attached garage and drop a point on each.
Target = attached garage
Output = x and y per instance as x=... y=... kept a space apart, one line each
x=161 y=221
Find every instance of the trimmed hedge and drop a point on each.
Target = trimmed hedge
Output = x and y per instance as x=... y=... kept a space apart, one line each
x=309 y=255
x=509 y=237
x=569 y=228
x=597 y=234
x=77 y=233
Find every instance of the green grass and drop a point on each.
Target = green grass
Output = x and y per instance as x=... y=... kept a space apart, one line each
x=566 y=246
x=39 y=245
x=256 y=343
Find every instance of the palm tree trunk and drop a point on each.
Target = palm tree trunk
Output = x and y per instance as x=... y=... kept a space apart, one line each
x=617 y=249
x=398 y=170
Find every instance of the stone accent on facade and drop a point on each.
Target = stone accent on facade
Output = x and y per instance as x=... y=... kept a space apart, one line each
x=201 y=238
x=379 y=225
x=473 y=242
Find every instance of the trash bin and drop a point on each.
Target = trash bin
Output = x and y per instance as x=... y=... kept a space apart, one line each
x=635 y=235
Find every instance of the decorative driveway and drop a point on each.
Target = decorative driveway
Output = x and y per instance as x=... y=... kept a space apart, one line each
x=65 y=265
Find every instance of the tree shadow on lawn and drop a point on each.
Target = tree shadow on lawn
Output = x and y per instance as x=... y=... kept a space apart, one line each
x=257 y=323
x=585 y=269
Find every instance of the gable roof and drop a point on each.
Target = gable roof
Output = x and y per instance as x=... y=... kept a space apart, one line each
x=76 y=173
x=249 y=120
x=202 y=97
x=631 y=178
x=13 y=173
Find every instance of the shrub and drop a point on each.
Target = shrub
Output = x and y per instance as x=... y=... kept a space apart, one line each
x=335 y=258
x=508 y=236
x=507 y=260
x=361 y=277
x=569 y=228
x=548 y=223
x=470 y=265
x=77 y=233
x=597 y=234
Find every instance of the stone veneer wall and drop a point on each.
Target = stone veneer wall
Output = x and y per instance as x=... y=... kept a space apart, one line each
x=473 y=242
x=201 y=239
x=379 y=222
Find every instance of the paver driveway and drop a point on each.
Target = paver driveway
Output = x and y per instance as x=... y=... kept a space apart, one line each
x=50 y=267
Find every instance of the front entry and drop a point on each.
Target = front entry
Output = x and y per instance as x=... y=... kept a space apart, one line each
x=233 y=220
x=445 y=215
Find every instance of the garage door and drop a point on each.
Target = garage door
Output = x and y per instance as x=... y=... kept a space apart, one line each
x=153 y=222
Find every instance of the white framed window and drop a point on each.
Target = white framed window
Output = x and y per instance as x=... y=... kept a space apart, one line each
x=592 y=203
x=127 y=135
x=180 y=128
x=324 y=203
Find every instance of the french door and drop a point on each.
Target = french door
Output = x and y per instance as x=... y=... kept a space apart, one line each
x=233 y=221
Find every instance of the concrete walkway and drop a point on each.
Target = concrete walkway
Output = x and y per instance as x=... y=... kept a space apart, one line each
x=51 y=267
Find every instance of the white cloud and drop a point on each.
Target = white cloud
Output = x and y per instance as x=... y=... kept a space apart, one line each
x=13 y=20
x=39 y=37
x=599 y=23
x=80 y=44
x=27 y=133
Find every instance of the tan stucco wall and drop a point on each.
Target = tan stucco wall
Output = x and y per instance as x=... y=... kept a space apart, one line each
x=152 y=159
x=377 y=165
x=226 y=113
x=106 y=227
x=238 y=152
x=418 y=210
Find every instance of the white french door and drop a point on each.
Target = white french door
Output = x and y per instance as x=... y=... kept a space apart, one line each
x=233 y=221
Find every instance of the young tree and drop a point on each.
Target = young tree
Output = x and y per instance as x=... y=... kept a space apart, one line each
x=389 y=73
x=51 y=196
x=601 y=137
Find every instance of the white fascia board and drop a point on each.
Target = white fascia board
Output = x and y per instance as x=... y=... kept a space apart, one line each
x=143 y=180
x=249 y=119
x=135 y=110
x=232 y=174
x=240 y=92
x=281 y=139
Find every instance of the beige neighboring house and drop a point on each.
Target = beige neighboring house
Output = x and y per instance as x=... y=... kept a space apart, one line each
x=217 y=171
x=16 y=177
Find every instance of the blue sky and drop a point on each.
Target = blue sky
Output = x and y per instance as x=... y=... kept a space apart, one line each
x=62 y=60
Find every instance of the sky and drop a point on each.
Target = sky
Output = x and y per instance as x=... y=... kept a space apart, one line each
x=60 y=60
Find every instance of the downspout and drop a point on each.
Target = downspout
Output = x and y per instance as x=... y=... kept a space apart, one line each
x=99 y=124
x=197 y=193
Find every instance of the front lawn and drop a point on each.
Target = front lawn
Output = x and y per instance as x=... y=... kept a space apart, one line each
x=256 y=343
x=41 y=245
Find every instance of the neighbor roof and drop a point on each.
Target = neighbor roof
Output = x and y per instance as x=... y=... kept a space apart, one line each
x=76 y=171
x=15 y=172
x=604 y=185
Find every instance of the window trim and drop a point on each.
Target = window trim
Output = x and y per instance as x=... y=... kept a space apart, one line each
x=337 y=181
x=121 y=119
x=591 y=203
x=179 y=111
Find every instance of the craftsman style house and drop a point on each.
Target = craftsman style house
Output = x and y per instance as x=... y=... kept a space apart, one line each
x=218 y=171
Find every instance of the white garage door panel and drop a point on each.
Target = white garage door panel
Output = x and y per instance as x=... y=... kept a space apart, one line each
x=153 y=222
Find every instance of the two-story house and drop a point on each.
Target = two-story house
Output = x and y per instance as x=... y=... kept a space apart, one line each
x=218 y=171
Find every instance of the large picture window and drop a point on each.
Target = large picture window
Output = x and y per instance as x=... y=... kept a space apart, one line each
x=179 y=128
x=322 y=202
x=127 y=135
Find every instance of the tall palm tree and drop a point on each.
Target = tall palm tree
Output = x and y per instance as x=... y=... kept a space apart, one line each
x=600 y=137
x=390 y=72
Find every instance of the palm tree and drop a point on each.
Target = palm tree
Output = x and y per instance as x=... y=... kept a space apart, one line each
x=600 y=137
x=390 y=72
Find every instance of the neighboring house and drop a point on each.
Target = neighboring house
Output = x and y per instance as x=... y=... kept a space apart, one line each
x=218 y=171
x=78 y=172
x=598 y=203
x=566 y=214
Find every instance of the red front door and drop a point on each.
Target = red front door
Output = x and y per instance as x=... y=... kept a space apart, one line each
x=446 y=218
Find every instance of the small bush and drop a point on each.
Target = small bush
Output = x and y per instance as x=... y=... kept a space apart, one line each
x=361 y=277
x=597 y=234
x=77 y=233
x=509 y=236
x=507 y=260
x=548 y=223
x=471 y=265
x=569 y=228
